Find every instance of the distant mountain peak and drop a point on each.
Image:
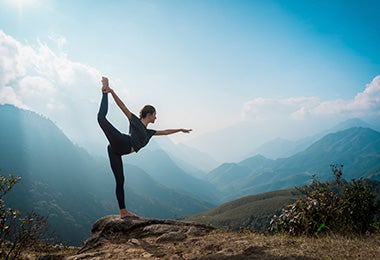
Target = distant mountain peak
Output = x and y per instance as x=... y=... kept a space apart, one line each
x=351 y=138
x=350 y=123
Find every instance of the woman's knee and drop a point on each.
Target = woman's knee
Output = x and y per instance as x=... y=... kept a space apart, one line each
x=110 y=150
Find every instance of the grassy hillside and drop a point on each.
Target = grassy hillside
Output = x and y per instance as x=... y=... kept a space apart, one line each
x=254 y=211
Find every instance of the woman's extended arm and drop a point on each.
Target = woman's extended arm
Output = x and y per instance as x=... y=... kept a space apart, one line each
x=121 y=105
x=116 y=98
x=172 y=131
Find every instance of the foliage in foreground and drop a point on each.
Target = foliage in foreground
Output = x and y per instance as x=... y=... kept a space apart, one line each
x=17 y=233
x=340 y=207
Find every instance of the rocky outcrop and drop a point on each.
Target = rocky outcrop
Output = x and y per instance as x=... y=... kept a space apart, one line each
x=113 y=237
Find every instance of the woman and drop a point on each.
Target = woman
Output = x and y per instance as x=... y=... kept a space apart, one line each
x=120 y=144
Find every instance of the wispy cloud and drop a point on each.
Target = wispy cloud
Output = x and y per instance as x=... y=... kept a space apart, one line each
x=366 y=103
x=59 y=40
x=274 y=108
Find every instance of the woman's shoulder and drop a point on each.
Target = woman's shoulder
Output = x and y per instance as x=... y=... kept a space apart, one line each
x=134 y=118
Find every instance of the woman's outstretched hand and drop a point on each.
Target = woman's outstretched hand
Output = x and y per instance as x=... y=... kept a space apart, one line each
x=187 y=131
x=172 y=131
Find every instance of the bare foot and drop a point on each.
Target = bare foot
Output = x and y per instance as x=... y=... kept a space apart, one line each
x=105 y=82
x=105 y=85
x=126 y=214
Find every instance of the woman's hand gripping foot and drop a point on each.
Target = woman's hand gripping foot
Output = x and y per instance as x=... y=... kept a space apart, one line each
x=105 y=85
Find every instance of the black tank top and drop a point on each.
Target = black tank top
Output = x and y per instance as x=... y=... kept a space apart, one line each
x=139 y=133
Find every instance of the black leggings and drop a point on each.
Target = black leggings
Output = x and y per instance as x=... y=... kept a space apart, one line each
x=119 y=144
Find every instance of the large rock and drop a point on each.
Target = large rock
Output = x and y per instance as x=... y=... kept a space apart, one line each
x=113 y=237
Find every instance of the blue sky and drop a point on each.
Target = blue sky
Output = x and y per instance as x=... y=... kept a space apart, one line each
x=205 y=65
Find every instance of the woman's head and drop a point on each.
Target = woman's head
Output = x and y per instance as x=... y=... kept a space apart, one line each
x=148 y=111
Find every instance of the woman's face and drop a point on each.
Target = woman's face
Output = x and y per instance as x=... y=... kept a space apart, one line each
x=152 y=117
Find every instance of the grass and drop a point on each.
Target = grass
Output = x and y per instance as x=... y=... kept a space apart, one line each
x=49 y=252
x=324 y=247
x=327 y=247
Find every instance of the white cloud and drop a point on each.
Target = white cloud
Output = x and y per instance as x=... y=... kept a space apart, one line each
x=365 y=103
x=369 y=100
x=48 y=83
x=10 y=67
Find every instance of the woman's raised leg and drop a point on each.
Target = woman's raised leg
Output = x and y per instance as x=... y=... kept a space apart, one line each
x=113 y=135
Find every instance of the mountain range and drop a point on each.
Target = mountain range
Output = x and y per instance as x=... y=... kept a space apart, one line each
x=282 y=148
x=74 y=188
x=357 y=149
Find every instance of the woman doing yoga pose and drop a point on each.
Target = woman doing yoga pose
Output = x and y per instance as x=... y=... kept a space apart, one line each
x=120 y=144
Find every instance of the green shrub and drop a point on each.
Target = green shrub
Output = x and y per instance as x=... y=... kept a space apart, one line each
x=337 y=206
x=360 y=205
x=17 y=233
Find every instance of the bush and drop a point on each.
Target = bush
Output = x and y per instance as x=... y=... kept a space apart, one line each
x=338 y=207
x=360 y=205
x=17 y=233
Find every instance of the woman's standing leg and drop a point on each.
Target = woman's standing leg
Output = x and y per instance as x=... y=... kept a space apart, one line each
x=117 y=169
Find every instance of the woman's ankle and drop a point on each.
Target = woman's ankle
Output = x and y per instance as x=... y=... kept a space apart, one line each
x=125 y=213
